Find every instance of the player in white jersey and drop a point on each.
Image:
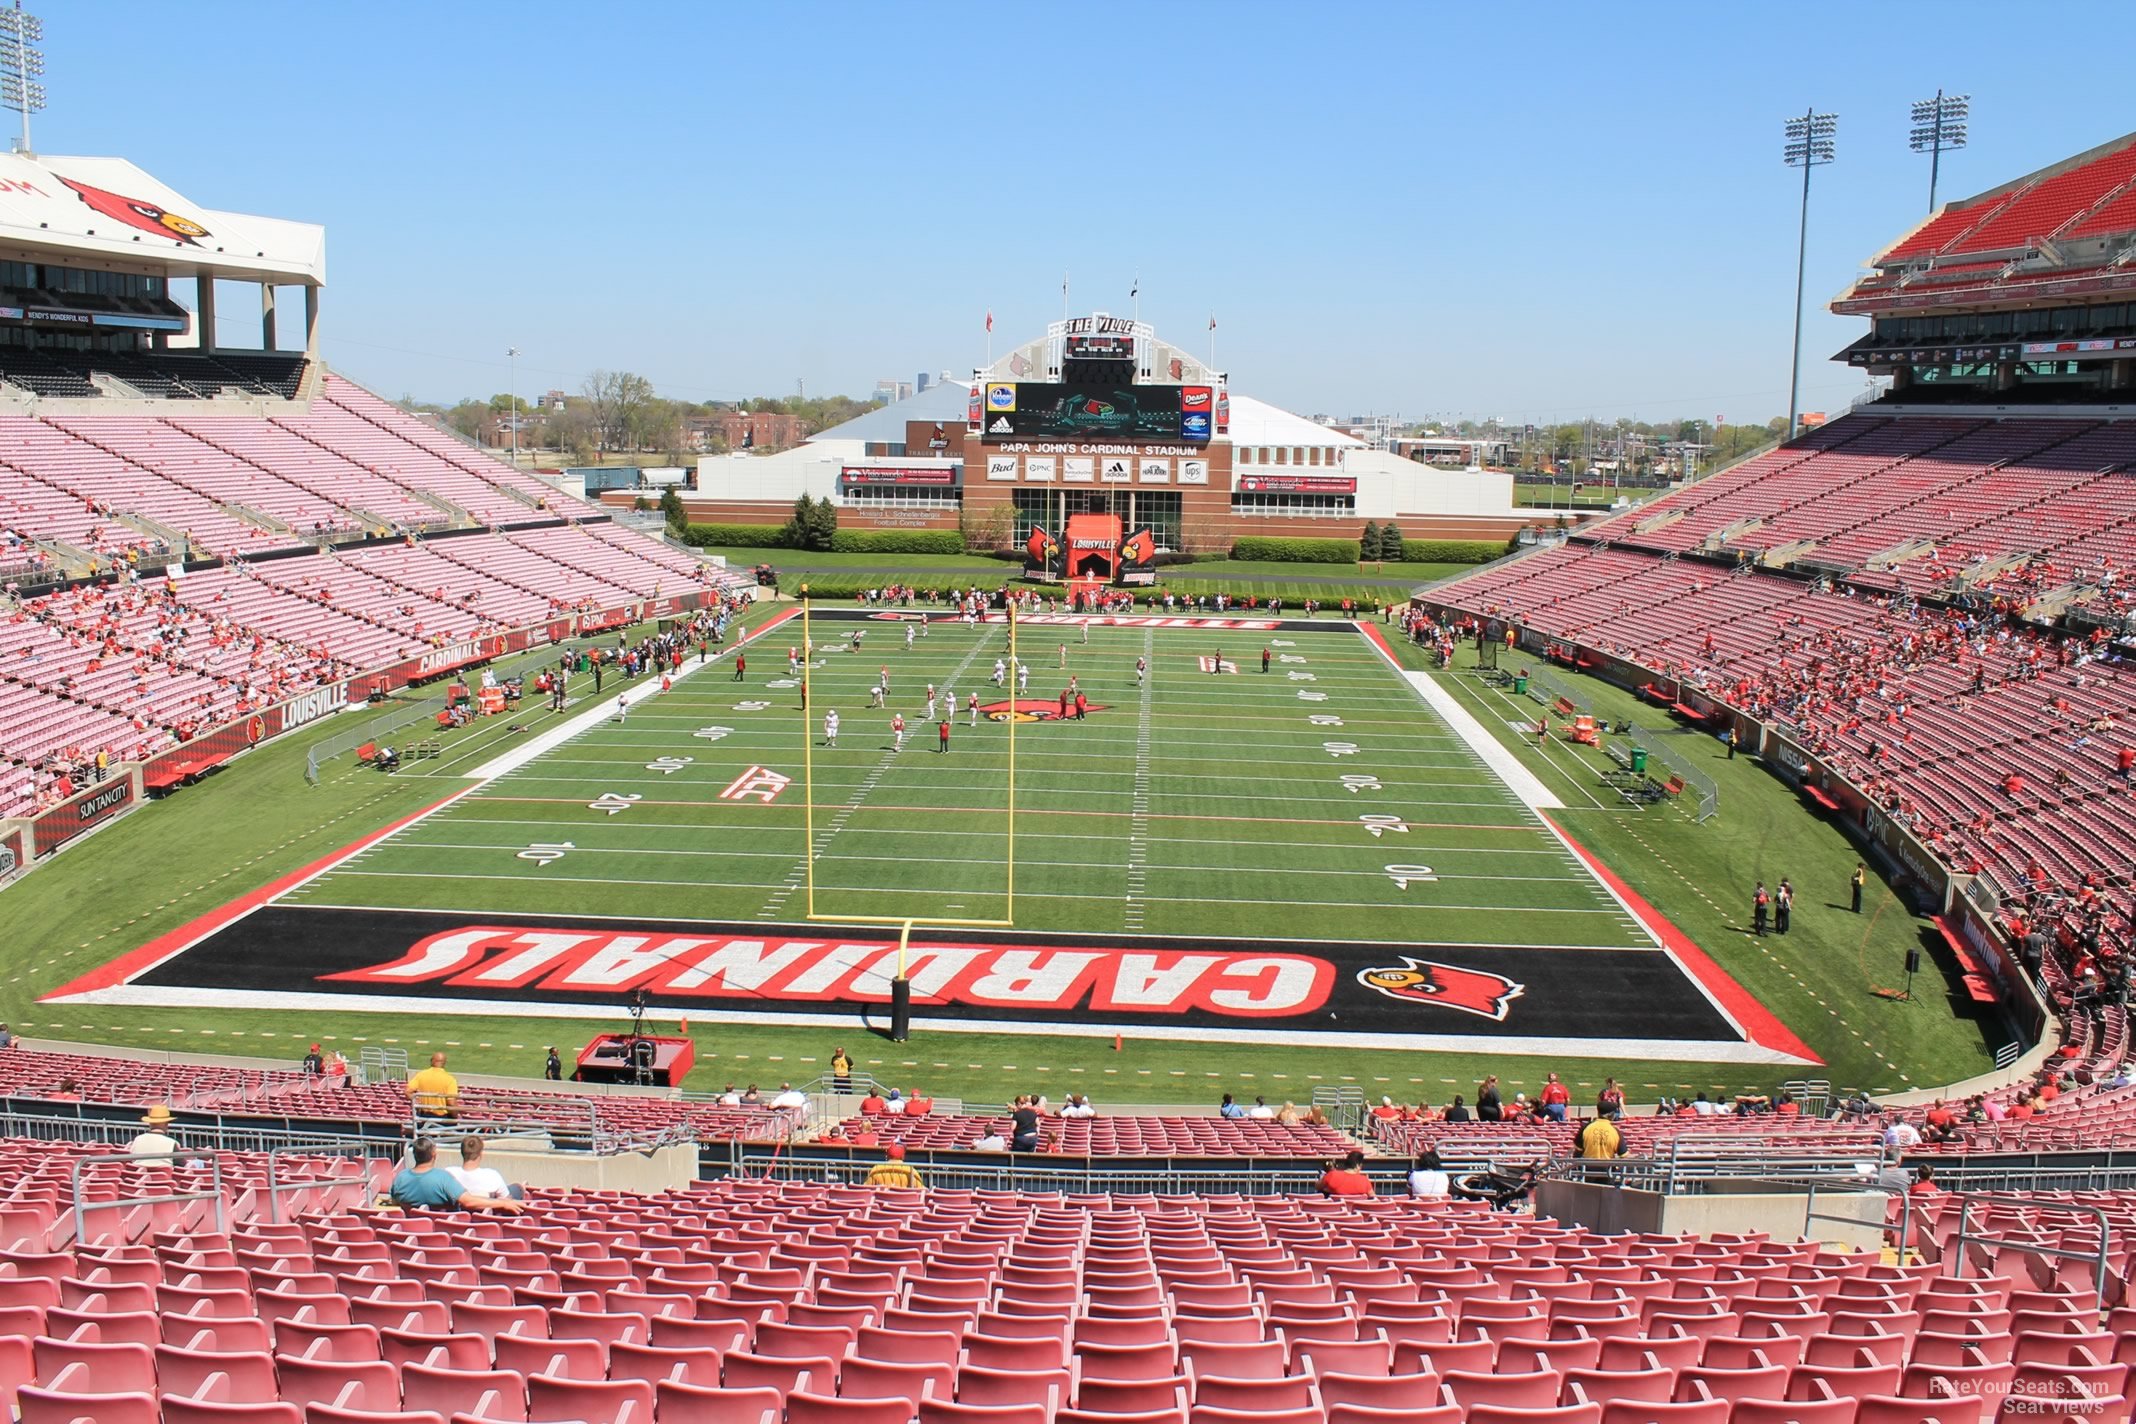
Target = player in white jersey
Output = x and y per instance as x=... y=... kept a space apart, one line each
x=1001 y=672
x=876 y=694
x=973 y=708
x=1142 y=669
x=930 y=701
x=910 y=634
x=1086 y=630
x=1023 y=676
x=897 y=731
x=830 y=728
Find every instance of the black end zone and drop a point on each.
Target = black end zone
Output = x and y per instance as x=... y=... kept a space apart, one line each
x=1092 y=983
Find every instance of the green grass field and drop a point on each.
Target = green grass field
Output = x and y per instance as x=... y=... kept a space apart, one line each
x=1235 y=792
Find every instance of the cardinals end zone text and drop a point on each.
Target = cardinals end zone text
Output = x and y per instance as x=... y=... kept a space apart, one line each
x=1517 y=997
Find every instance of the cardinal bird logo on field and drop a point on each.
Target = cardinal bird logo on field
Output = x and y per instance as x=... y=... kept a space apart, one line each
x=1449 y=986
x=139 y=212
x=1029 y=709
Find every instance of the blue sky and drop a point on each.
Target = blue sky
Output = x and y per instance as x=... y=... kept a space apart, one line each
x=1536 y=212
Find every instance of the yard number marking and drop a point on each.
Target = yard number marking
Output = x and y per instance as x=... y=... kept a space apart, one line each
x=1404 y=876
x=1325 y=719
x=546 y=852
x=614 y=801
x=713 y=734
x=1355 y=783
x=668 y=765
x=1339 y=749
x=750 y=706
x=1307 y=696
x=1380 y=825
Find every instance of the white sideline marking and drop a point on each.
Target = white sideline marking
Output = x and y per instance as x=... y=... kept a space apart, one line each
x=604 y=711
x=1522 y=782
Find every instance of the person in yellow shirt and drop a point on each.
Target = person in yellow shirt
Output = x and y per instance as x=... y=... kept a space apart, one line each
x=893 y=1172
x=433 y=1092
x=1600 y=1140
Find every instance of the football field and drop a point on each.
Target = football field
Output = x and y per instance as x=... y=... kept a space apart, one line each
x=1304 y=851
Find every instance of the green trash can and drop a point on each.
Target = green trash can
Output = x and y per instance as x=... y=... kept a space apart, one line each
x=1520 y=687
x=1639 y=756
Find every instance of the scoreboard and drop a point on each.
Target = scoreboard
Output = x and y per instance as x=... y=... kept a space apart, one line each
x=1099 y=346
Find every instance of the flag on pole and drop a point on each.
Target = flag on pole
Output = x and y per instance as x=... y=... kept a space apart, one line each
x=1136 y=290
x=989 y=321
x=1212 y=321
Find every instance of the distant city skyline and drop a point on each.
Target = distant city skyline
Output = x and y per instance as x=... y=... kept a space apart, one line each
x=1388 y=208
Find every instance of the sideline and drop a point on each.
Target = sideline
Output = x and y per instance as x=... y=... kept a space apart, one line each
x=603 y=711
x=1522 y=782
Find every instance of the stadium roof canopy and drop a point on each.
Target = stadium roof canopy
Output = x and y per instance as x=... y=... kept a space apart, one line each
x=946 y=401
x=106 y=212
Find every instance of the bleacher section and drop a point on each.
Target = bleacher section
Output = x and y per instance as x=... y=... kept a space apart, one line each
x=174 y=375
x=761 y=1302
x=1929 y=709
x=347 y=495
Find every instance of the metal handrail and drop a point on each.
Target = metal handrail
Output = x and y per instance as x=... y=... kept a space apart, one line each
x=2097 y=1258
x=82 y=1206
x=275 y=1189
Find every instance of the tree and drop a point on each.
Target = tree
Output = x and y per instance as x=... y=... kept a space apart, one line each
x=822 y=524
x=1391 y=542
x=468 y=417
x=993 y=529
x=678 y=518
x=794 y=533
x=1368 y=544
x=617 y=400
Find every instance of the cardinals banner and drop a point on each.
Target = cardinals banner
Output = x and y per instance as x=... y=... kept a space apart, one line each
x=1138 y=548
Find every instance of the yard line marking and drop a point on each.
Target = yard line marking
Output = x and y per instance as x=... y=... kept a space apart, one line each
x=1138 y=824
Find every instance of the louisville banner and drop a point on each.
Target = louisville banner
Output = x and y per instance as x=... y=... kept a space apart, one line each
x=1604 y=1002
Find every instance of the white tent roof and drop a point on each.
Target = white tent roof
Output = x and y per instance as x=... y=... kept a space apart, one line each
x=96 y=210
x=1256 y=422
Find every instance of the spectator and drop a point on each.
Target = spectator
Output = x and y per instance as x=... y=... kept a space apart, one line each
x=1600 y=1140
x=918 y=1105
x=841 y=1071
x=1488 y=1105
x=433 y=1092
x=1024 y=1126
x=870 y=1105
x=1229 y=1108
x=1457 y=1111
x=894 y=1104
x=729 y=1098
x=1610 y=1101
x=893 y=1173
x=1261 y=1111
x=479 y=1180
x=155 y=1142
x=7 y=1037
x=991 y=1141
x=1078 y=1106
x=1902 y=1135
x=1924 y=1182
x=1555 y=1099
x=553 y=1067
x=1386 y=1111
x=1346 y=1178
x=1427 y=1178
x=67 y=1092
x=1287 y=1115
x=313 y=1063
x=790 y=1099
x=424 y=1186
x=751 y=1098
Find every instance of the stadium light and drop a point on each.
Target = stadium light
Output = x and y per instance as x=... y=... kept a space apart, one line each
x=1939 y=124
x=20 y=65
x=1810 y=144
x=512 y=354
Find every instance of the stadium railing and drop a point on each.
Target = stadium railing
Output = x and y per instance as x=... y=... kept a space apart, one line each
x=81 y=1204
x=1006 y=1172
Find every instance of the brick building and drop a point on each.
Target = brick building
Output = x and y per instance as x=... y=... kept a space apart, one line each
x=1100 y=416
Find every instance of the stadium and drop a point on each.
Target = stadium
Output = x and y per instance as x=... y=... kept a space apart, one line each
x=1054 y=998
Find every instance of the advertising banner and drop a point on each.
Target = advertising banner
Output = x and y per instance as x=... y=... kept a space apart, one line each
x=1298 y=484
x=1116 y=470
x=1078 y=470
x=1038 y=469
x=1194 y=472
x=898 y=474
x=81 y=814
x=13 y=859
x=1001 y=467
x=1155 y=472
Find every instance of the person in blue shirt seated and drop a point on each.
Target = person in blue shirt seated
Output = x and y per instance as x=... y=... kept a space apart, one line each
x=425 y=1186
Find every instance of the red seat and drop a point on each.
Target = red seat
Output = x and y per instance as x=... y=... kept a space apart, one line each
x=1535 y=1389
x=1804 y=1411
x=1641 y=1411
x=197 y=1411
x=1555 y=1414
x=1310 y=1414
x=236 y=1378
x=742 y=1370
x=1142 y=1396
x=553 y=1400
x=886 y=1379
x=498 y=1394
x=1128 y=1362
x=328 y=1414
x=808 y=1408
x=1379 y=1391
x=1416 y=1414
x=943 y=1411
x=561 y=1359
x=1953 y=1409
x=678 y=1403
x=655 y=1363
x=345 y=1385
x=977 y=1384
x=1215 y=1392
x=50 y=1406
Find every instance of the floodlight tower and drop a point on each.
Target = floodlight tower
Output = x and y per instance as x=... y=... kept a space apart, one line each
x=1939 y=124
x=1810 y=144
x=19 y=67
x=512 y=354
